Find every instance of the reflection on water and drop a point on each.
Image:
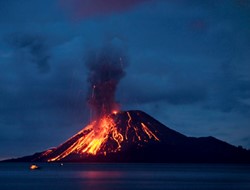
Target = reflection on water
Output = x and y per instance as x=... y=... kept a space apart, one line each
x=100 y=174
x=124 y=176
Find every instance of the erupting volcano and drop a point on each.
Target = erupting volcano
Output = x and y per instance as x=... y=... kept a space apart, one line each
x=104 y=136
x=130 y=136
x=112 y=134
x=110 y=131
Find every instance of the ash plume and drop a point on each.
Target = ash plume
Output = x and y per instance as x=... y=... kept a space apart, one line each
x=106 y=69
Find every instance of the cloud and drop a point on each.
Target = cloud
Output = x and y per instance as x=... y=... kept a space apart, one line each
x=31 y=49
x=88 y=8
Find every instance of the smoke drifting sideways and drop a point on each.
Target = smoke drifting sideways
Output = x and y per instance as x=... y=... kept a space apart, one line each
x=106 y=69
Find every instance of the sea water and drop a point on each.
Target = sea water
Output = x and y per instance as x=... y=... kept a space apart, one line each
x=18 y=176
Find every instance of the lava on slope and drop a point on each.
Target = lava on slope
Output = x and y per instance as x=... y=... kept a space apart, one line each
x=134 y=136
x=129 y=136
x=116 y=132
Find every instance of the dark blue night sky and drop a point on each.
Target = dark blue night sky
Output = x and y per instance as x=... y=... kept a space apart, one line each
x=189 y=65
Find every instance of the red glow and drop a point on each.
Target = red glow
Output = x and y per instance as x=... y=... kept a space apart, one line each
x=104 y=136
x=115 y=112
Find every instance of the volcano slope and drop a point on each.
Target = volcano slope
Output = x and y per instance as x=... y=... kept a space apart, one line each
x=134 y=136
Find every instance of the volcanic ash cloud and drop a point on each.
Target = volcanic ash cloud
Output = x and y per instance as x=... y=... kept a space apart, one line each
x=106 y=69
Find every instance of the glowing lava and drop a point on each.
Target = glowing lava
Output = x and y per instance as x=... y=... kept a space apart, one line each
x=104 y=136
x=99 y=132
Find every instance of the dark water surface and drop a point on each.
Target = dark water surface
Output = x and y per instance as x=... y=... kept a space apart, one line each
x=15 y=176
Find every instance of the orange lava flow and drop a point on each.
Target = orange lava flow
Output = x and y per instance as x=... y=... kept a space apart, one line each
x=92 y=142
x=129 y=125
x=104 y=136
x=149 y=132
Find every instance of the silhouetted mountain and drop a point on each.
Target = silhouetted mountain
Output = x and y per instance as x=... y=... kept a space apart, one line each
x=134 y=136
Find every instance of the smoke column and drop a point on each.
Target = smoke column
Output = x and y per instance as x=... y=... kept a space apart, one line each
x=106 y=69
